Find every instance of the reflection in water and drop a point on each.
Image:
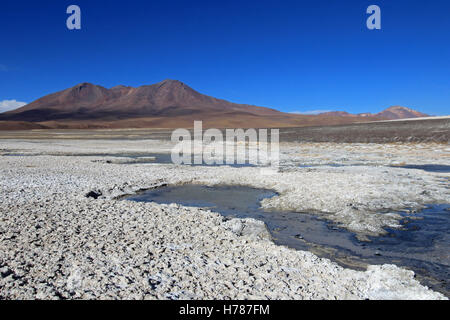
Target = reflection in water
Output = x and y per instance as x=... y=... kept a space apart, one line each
x=129 y=158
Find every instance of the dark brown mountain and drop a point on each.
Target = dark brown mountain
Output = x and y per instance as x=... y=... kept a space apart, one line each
x=88 y=101
x=167 y=104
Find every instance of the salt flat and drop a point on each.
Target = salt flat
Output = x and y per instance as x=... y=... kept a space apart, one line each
x=57 y=243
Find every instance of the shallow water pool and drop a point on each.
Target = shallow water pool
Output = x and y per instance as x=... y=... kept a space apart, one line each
x=427 y=167
x=422 y=245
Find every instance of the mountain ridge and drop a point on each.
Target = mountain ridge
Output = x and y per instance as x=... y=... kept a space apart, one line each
x=391 y=113
x=169 y=103
x=89 y=101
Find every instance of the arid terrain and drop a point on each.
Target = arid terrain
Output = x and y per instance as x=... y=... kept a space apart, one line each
x=420 y=130
x=167 y=104
x=66 y=233
x=221 y=152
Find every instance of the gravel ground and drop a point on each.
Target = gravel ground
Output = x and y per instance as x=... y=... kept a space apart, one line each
x=56 y=243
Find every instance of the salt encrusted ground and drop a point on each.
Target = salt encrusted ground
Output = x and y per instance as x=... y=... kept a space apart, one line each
x=56 y=243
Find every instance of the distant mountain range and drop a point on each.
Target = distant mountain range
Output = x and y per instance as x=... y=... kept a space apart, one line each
x=392 y=113
x=167 y=104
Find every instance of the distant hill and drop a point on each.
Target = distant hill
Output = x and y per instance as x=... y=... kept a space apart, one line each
x=167 y=104
x=392 y=113
x=398 y=112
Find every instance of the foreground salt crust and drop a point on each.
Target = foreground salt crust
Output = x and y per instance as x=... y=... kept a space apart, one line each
x=56 y=243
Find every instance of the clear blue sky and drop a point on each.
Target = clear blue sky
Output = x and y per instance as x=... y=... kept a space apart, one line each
x=290 y=55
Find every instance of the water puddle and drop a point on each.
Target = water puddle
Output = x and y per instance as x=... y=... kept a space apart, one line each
x=17 y=155
x=334 y=165
x=154 y=158
x=439 y=168
x=128 y=158
x=422 y=245
x=427 y=167
x=166 y=158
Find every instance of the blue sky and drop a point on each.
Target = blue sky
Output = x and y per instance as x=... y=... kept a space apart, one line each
x=290 y=55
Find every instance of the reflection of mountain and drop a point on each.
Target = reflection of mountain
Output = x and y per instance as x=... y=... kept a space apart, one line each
x=168 y=104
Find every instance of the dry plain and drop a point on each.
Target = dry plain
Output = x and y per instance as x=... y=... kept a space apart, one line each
x=57 y=243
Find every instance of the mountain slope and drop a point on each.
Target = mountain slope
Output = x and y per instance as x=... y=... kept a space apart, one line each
x=88 y=101
x=167 y=104
x=398 y=112
x=391 y=113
